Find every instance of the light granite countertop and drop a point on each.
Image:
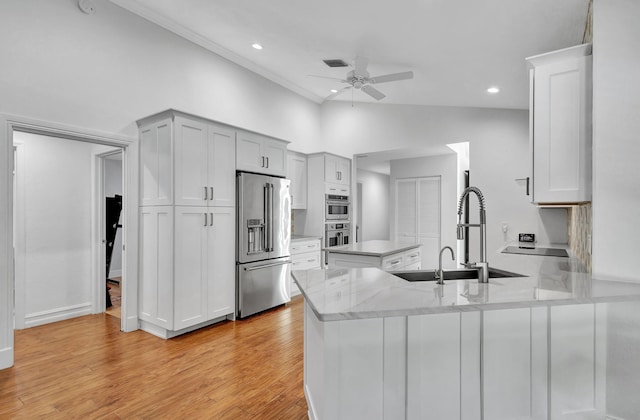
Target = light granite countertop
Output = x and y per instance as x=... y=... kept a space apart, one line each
x=340 y=294
x=375 y=248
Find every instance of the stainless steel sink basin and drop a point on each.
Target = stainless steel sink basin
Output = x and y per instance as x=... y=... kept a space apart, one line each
x=462 y=274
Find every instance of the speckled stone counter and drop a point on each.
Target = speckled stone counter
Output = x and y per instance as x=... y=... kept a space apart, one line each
x=339 y=294
x=375 y=248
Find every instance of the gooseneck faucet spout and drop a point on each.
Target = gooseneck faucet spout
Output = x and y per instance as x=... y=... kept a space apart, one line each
x=482 y=265
x=440 y=272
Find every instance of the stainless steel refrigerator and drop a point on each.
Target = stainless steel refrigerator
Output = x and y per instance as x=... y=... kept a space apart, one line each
x=264 y=236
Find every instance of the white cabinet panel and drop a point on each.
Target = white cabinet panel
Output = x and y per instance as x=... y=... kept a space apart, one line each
x=561 y=117
x=191 y=162
x=156 y=265
x=337 y=170
x=192 y=227
x=222 y=169
x=221 y=276
x=433 y=358
x=260 y=154
x=297 y=173
x=156 y=171
x=573 y=363
x=275 y=152
x=507 y=364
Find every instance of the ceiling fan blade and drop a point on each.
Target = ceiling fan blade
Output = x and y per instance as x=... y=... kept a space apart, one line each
x=360 y=65
x=373 y=92
x=337 y=79
x=391 y=77
x=333 y=95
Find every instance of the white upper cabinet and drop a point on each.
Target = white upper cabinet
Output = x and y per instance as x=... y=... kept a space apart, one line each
x=156 y=170
x=337 y=170
x=260 y=154
x=297 y=173
x=560 y=119
x=187 y=162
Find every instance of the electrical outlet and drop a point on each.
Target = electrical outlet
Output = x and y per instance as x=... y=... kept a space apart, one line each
x=505 y=227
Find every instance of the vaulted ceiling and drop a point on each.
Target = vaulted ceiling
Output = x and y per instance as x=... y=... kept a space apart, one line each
x=456 y=48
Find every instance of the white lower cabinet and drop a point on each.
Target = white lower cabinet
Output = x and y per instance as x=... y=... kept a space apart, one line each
x=187 y=267
x=521 y=363
x=305 y=255
x=403 y=260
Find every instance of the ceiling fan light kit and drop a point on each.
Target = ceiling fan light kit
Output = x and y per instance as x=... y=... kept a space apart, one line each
x=358 y=78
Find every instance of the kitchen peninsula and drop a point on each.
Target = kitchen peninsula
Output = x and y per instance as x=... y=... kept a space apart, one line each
x=377 y=346
x=388 y=255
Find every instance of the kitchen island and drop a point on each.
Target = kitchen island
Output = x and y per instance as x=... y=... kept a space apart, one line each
x=388 y=255
x=377 y=346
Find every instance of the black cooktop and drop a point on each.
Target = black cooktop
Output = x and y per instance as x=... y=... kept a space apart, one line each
x=532 y=250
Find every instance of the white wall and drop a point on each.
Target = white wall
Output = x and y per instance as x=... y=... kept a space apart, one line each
x=104 y=71
x=375 y=205
x=113 y=186
x=53 y=231
x=616 y=187
x=616 y=138
x=446 y=167
x=498 y=147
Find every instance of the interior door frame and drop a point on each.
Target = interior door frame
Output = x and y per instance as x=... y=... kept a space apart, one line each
x=8 y=125
x=98 y=248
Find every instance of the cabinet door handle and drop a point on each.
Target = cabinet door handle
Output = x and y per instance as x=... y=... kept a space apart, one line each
x=267 y=161
x=263 y=161
x=211 y=188
x=396 y=262
x=211 y=223
x=311 y=260
x=205 y=194
x=205 y=219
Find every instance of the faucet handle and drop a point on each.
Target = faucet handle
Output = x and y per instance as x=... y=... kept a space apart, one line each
x=468 y=265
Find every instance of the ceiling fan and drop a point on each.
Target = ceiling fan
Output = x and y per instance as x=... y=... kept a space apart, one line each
x=359 y=78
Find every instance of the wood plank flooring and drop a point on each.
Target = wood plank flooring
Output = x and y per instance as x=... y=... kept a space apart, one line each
x=86 y=368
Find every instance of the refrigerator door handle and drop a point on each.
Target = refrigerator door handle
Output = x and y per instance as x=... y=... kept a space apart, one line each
x=270 y=218
x=259 y=267
x=267 y=225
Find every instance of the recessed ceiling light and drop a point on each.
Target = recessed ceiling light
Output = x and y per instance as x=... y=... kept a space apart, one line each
x=493 y=89
x=334 y=90
x=257 y=46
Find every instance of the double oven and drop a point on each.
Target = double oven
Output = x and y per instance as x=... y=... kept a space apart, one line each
x=337 y=207
x=337 y=216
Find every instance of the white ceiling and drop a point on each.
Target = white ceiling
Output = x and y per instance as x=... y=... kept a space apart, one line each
x=456 y=48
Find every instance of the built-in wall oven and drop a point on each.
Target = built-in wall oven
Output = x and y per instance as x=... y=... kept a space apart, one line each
x=336 y=234
x=337 y=207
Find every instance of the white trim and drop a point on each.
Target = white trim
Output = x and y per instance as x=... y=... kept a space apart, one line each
x=20 y=242
x=165 y=333
x=58 y=314
x=188 y=34
x=10 y=123
x=115 y=273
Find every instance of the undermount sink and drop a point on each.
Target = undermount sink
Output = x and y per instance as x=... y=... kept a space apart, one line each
x=462 y=274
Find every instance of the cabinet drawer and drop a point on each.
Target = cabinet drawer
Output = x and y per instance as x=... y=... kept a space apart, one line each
x=392 y=262
x=300 y=247
x=414 y=266
x=336 y=189
x=411 y=257
x=306 y=261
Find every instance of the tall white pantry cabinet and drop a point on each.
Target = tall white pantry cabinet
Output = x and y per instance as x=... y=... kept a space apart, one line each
x=187 y=223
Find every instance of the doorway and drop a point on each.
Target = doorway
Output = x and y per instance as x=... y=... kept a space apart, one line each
x=57 y=276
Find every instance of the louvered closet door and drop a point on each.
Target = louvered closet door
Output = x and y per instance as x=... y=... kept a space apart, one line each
x=418 y=216
x=429 y=220
x=406 y=208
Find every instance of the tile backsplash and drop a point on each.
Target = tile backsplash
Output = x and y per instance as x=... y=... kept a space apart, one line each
x=579 y=229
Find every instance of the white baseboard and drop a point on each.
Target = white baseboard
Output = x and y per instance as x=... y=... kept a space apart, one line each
x=165 y=333
x=6 y=358
x=610 y=417
x=131 y=324
x=312 y=410
x=57 y=314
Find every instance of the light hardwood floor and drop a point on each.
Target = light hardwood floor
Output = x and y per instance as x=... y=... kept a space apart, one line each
x=86 y=368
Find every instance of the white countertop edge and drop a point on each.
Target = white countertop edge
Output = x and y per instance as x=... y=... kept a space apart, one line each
x=464 y=308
